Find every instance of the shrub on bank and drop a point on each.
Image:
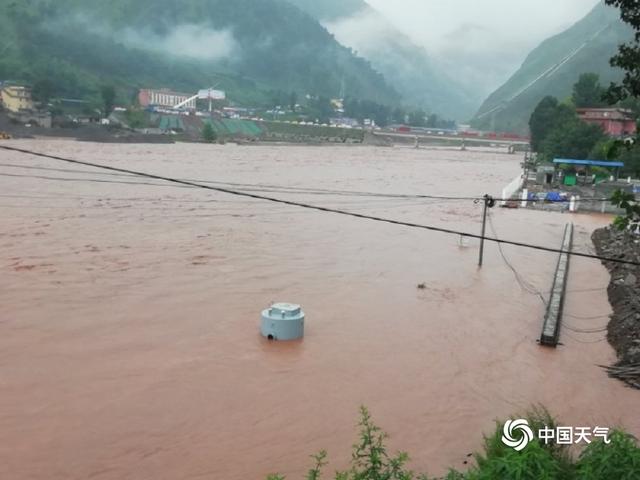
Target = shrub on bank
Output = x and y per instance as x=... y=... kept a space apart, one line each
x=370 y=460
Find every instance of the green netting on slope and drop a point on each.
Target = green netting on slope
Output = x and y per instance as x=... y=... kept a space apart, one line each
x=233 y=127
x=253 y=128
x=242 y=127
x=171 y=122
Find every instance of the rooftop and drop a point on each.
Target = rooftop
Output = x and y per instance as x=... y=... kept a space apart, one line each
x=589 y=163
x=605 y=113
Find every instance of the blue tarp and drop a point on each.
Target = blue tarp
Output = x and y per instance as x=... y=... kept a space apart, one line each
x=555 y=197
x=588 y=163
x=547 y=197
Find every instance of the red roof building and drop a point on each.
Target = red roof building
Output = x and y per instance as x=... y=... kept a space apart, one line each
x=616 y=122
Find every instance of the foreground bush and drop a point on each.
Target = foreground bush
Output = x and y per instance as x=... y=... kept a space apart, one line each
x=618 y=460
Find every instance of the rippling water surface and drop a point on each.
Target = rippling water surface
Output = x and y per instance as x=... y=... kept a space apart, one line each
x=129 y=312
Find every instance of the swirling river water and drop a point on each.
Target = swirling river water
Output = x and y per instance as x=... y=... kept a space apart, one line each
x=129 y=312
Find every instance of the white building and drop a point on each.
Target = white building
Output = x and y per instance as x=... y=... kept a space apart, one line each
x=165 y=98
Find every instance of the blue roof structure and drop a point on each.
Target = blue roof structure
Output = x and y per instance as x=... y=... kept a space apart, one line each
x=589 y=163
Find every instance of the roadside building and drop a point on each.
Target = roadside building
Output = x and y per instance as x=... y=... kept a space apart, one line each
x=166 y=98
x=616 y=122
x=574 y=172
x=16 y=98
x=344 y=122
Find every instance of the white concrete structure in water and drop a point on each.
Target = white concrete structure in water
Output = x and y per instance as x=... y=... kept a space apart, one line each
x=283 y=321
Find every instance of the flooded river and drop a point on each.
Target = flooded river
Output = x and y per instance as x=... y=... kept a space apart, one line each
x=129 y=312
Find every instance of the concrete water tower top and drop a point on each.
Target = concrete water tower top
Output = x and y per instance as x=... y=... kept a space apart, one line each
x=283 y=321
x=284 y=310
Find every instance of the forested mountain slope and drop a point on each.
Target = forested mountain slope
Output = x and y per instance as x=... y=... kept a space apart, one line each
x=248 y=45
x=554 y=67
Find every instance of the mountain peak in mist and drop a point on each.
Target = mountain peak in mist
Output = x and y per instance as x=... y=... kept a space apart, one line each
x=553 y=68
x=406 y=66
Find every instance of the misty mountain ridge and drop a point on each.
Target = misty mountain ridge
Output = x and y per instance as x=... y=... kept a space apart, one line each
x=406 y=66
x=554 y=67
x=258 y=50
x=330 y=10
x=246 y=45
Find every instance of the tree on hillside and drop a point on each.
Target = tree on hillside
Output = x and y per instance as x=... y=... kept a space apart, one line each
x=588 y=92
x=108 y=94
x=418 y=118
x=43 y=90
x=208 y=133
x=628 y=56
x=631 y=159
x=399 y=115
x=321 y=108
x=545 y=118
x=367 y=109
x=628 y=93
x=433 y=121
x=573 y=139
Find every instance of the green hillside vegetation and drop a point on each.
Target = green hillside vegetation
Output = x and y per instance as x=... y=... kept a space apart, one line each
x=406 y=66
x=78 y=45
x=558 y=132
x=594 y=40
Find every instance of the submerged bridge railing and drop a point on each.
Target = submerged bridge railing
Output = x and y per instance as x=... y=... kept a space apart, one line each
x=553 y=318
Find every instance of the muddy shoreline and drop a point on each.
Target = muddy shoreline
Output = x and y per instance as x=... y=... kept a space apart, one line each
x=623 y=331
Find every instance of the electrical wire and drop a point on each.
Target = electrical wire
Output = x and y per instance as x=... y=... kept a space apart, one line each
x=318 y=208
x=524 y=284
x=529 y=288
x=302 y=190
x=252 y=186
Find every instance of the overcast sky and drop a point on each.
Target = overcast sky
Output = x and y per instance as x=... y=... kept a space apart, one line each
x=525 y=22
x=475 y=30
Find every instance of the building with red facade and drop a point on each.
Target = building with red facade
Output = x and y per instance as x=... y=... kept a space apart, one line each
x=616 y=122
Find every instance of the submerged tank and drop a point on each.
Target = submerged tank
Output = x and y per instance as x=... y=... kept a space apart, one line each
x=283 y=321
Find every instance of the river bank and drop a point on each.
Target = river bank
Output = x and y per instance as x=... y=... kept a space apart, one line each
x=82 y=132
x=624 y=296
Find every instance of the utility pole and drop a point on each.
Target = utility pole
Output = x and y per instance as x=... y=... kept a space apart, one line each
x=489 y=202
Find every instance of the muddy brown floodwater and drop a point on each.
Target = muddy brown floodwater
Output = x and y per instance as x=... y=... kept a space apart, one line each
x=129 y=313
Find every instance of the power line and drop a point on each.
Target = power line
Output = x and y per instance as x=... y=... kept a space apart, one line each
x=524 y=284
x=356 y=202
x=250 y=186
x=529 y=288
x=89 y=180
x=320 y=208
x=261 y=187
